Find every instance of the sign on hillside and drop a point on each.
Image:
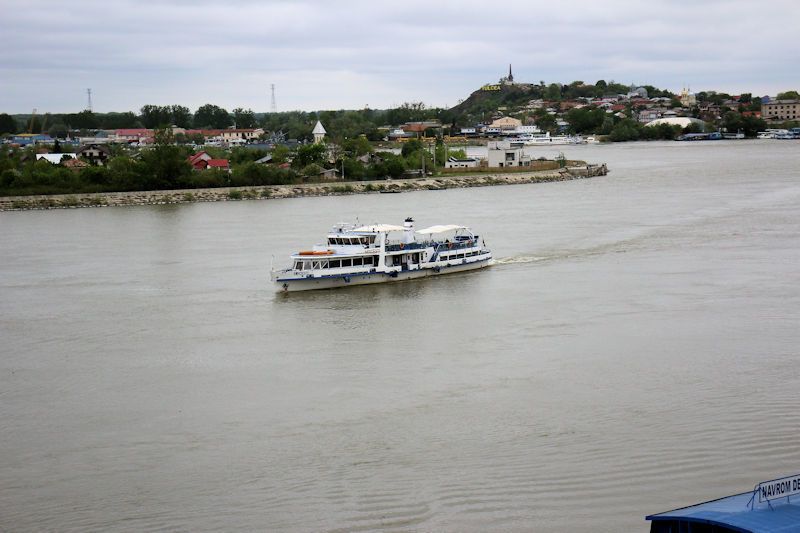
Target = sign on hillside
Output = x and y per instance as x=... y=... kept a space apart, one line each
x=490 y=88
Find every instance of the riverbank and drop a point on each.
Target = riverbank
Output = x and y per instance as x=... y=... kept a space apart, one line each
x=221 y=194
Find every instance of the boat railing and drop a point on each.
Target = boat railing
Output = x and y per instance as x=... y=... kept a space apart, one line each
x=394 y=247
x=438 y=246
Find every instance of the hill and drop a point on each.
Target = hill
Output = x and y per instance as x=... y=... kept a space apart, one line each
x=490 y=99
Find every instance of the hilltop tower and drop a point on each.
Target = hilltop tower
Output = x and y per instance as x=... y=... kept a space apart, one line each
x=507 y=80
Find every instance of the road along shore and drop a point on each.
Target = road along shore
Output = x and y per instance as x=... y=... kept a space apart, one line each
x=263 y=192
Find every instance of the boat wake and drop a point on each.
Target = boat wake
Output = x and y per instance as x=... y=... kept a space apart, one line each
x=518 y=260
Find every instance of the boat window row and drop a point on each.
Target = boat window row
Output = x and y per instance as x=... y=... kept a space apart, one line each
x=363 y=240
x=445 y=257
x=317 y=264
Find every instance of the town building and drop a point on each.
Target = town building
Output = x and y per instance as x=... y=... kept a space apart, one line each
x=506 y=124
x=202 y=161
x=241 y=134
x=25 y=139
x=687 y=99
x=470 y=162
x=97 y=154
x=683 y=122
x=507 y=154
x=53 y=158
x=132 y=135
x=528 y=129
x=781 y=110
x=647 y=115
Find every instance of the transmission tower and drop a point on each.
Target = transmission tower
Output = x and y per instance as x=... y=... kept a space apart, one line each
x=273 y=107
x=88 y=99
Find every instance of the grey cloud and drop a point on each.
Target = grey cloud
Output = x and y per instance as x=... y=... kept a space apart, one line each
x=349 y=53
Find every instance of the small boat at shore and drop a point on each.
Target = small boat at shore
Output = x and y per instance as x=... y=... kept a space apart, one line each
x=381 y=253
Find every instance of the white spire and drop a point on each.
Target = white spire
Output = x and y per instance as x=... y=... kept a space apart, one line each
x=319 y=132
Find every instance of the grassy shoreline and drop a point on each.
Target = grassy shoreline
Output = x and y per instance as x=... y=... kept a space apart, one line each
x=264 y=192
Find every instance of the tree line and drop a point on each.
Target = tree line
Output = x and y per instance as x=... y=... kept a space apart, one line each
x=165 y=166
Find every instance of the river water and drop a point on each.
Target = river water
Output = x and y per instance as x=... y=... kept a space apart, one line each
x=634 y=350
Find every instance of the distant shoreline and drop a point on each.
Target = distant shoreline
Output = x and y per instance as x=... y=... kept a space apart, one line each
x=265 y=192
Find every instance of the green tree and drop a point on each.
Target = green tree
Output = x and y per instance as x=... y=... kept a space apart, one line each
x=154 y=116
x=280 y=154
x=625 y=130
x=180 y=116
x=586 y=119
x=165 y=163
x=788 y=95
x=58 y=131
x=733 y=121
x=358 y=146
x=309 y=154
x=115 y=121
x=409 y=147
x=8 y=124
x=394 y=165
x=553 y=92
x=244 y=118
x=544 y=120
x=600 y=87
x=211 y=116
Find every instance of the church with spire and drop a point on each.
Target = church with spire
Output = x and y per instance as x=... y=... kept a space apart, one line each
x=508 y=80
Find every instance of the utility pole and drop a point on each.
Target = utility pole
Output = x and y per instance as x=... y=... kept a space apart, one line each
x=273 y=107
x=88 y=100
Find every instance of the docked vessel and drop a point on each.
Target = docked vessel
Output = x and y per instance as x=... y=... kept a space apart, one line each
x=547 y=139
x=380 y=253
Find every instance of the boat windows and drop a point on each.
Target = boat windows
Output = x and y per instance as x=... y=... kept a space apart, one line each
x=335 y=263
x=357 y=261
x=347 y=262
x=298 y=265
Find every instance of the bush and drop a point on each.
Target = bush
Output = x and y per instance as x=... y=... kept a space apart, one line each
x=625 y=130
x=250 y=174
x=234 y=195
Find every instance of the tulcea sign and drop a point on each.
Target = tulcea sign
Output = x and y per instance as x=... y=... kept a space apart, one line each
x=778 y=488
x=490 y=88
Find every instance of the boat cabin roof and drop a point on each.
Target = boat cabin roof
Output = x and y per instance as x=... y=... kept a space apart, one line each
x=376 y=228
x=441 y=229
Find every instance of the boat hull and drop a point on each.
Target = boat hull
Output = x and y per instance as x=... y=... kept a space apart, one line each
x=335 y=282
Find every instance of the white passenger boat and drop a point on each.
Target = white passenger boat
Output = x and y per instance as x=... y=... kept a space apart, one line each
x=547 y=139
x=380 y=253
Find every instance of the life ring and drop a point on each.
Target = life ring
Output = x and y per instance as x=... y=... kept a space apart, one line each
x=402 y=246
x=450 y=245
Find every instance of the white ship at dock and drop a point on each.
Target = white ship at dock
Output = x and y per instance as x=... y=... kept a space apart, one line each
x=381 y=253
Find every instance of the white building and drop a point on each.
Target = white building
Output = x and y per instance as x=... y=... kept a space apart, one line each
x=528 y=129
x=469 y=162
x=507 y=154
x=319 y=133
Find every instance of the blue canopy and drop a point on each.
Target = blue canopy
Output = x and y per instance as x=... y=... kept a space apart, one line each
x=735 y=512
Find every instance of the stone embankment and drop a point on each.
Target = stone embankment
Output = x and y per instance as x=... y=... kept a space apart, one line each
x=61 y=201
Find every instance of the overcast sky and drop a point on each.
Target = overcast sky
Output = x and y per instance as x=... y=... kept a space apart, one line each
x=350 y=54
